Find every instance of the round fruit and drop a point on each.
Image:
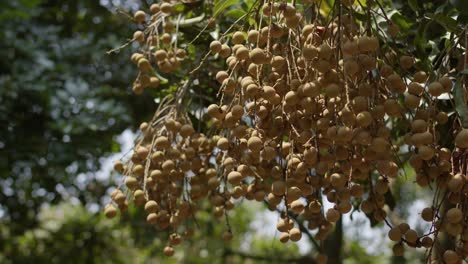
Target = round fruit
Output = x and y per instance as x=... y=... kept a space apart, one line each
x=461 y=140
x=139 y=17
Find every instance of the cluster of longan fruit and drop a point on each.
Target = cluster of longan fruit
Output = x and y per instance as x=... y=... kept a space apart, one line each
x=158 y=47
x=306 y=113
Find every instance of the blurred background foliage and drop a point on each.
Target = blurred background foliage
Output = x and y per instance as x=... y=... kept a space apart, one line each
x=64 y=101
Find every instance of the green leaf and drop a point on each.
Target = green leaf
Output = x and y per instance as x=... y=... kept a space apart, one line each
x=447 y=22
x=221 y=5
x=403 y=22
x=178 y=8
x=191 y=21
x=413 y=5
x=461 y=5
x=235 y=13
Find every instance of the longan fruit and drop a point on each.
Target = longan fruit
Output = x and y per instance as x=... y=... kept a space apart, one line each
x=139 y=36
x=461 y=139
x=238 y=37
x=332 y=215
x=168 y=251
x=427 y=214
x=110 y=211
x=411 y=236
x=451 y=257
x=166 y=8
x=139 y=17
x=395 y=234
x=295 y=234
x=454 y=215
x=154 y=8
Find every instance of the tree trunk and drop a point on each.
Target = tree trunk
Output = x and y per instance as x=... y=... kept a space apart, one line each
x=333 y=244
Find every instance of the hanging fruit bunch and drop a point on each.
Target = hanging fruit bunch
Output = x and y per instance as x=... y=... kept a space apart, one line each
x=308 y=110
x=158 y=46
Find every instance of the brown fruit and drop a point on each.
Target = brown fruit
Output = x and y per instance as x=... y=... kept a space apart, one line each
x=295 y=234
x=461 y=140
x=406 y=62
x=332 y=215
x=215 y=46
x=234 y=177
x=427 y=214
x=255 y=144
x=451 y=257
x=411 y=236
x=364 y=119
x=139 y=17
x=398 y=249
x=454 y=215
x=435 y=89
x=168 y=251
x=151 y=206
x=395 y=234
x=110 y=211
x=166 y=8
